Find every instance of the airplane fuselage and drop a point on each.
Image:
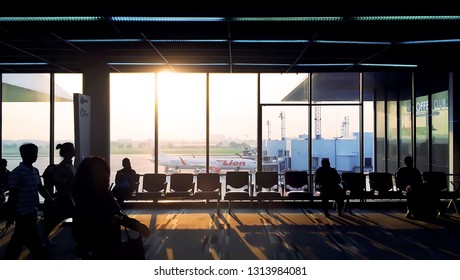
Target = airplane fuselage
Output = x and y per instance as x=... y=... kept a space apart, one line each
x=215 y=164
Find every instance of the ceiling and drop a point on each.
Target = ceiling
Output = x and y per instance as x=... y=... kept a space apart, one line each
x=230 y=40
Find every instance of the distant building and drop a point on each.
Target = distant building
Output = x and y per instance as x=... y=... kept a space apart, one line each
x=343 y=153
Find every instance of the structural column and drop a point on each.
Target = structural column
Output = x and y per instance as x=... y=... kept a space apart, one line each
x=96 y=83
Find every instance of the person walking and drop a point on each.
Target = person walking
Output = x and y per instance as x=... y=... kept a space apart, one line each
x=24 y=184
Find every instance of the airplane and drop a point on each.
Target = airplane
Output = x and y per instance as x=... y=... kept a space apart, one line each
x=216 y=164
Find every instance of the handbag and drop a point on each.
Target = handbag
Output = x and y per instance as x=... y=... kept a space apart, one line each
x=132 y=248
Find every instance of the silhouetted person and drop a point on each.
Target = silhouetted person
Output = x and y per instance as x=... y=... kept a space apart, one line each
x=328 y=180
x=62 y=178
x=125 y=182
x=3 y=179
x=96 y=225
x=24 y=184
x=65 y=172
x=409 y=178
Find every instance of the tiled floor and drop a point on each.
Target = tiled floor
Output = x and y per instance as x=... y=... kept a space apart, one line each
x=197 y=233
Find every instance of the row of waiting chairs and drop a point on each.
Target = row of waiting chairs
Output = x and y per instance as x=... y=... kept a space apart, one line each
x=238 y=186
x=382 y=187
x=267 y=186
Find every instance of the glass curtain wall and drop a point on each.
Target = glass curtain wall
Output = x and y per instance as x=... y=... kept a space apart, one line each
x=181 y=122
x=232 y=122
x=323 y=107
x=132 y=121
x=65 y=86
x=25 y=116
x=431 y=121
x=405 y=116
x=440 y=132
x=336 y=107
x=368 y=124
x=285 y=121
x=392 y=92
x=392 y=135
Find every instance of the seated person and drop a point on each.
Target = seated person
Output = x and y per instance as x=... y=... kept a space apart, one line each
x=409 y=179
x=328 y=180
x=126 y=181
x=98 y=219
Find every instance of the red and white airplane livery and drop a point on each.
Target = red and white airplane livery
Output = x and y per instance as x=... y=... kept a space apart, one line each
x=216 y=164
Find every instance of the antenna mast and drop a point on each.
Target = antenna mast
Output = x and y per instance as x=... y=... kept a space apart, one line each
x=283 y=125
x=269 y=130
x=318 y=122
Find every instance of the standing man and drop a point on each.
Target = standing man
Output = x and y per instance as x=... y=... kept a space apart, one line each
x=24 y=185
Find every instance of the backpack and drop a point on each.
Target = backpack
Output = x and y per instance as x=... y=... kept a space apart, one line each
x=48 y=177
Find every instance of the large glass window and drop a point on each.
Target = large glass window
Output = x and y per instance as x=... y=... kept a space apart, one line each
x=65 y=86
x=368 y=145
x=25 y=116
x=402 y=83
x=422 y=133
x=182 y=122
x=333 y=87
x=285 y=138
x=339 y=139
x=285 y=102
x=440 y=131
x=392 y=117
x=233 y=122
x=431 y=115
x=132 y=114
x=392 y=136
x=285 y=129
x=405 y=130
x=284 y=88
x=337 y=129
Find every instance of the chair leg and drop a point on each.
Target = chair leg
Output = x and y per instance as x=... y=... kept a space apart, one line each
x=453 y=204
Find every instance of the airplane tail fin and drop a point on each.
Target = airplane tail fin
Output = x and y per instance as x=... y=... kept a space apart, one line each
x=151 y=147
x=161 y=155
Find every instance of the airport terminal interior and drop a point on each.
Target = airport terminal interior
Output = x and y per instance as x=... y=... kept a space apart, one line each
x=192 y=90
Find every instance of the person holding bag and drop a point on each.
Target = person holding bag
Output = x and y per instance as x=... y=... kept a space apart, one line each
x=97 y=222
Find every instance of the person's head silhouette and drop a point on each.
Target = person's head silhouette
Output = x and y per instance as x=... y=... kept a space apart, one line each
x=409 y=161
x=325 y=162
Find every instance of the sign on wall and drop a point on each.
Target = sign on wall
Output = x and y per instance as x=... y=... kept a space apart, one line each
x=82 y=118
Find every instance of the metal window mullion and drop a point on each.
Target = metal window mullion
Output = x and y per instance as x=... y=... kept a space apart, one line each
x=52 y=116
x=259 y=127
x=310 y=131
x=413 y=122
x=155 y=142
x=207 y=122
x=430 y=133
x=361 y=124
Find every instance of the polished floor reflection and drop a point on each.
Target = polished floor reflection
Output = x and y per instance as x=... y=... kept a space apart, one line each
x=248 y=233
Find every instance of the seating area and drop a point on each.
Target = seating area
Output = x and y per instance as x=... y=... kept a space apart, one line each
x=293 y=186
x=232 y=186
